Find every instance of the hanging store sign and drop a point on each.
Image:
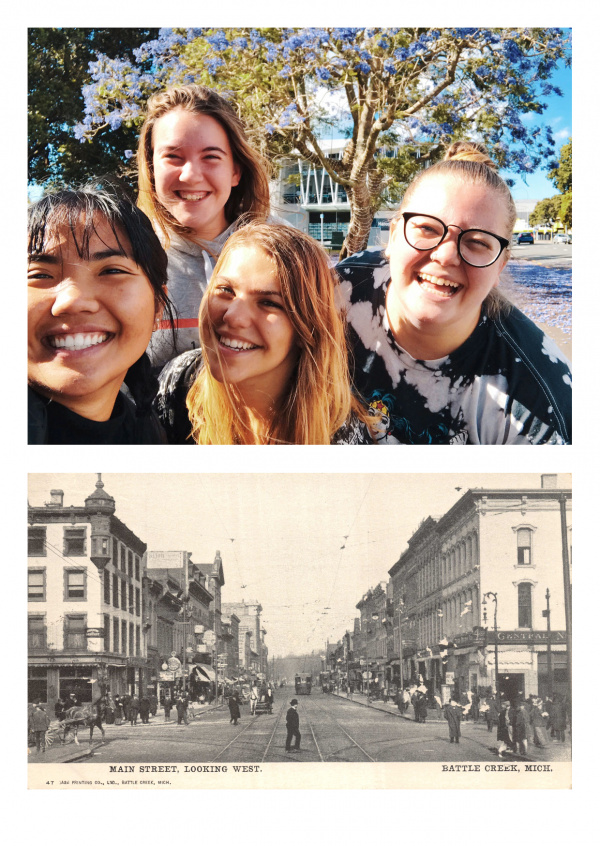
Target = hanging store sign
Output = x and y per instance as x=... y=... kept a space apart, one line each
x=94 y=632
x=174 y=664
x=528 y=637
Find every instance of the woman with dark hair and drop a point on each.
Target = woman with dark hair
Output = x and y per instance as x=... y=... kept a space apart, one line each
x=454 y=360
x=197 y=176
x=96 y=287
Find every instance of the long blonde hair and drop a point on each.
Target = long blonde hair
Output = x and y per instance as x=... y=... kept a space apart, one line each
x=469 y=161
x=250 y=197
x=319 y=399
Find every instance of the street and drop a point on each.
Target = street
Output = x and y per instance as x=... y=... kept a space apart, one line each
x=333 y=729
x=543 y=252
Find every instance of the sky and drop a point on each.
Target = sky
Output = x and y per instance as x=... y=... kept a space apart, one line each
x=306 y=546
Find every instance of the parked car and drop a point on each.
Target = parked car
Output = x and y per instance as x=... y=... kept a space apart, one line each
x=525 y=238
x=561 y=238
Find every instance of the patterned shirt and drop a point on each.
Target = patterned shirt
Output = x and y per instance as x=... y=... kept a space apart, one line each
x=508 y=383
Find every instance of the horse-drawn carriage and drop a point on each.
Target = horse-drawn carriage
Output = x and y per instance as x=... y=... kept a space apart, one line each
x=66 y=730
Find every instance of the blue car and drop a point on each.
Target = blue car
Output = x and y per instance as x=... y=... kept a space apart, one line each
x=525 y=238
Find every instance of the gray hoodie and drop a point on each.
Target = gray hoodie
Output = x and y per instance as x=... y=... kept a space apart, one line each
x=189 y=270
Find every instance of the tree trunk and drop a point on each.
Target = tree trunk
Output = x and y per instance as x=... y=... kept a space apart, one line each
x=362 y=212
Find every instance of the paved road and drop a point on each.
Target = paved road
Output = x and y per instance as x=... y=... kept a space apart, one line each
x=546 y=253
x=333 y=729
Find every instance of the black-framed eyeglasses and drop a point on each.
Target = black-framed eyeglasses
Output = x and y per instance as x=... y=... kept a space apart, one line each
x=476 y=247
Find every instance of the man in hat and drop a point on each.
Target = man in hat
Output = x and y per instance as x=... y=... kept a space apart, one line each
x=292 y=722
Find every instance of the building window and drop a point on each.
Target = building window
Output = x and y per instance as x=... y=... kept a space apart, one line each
x=123 y=595
x=106 y=579
x=525 y=615
x=75 y=585
x=37 y=684
x=36 y=585
x=115 y=581
x=137 y=641
x=75 y=680
x=36 y=541
x=131 y=605
x=115 y=634
x=36 y=632
x=131 y=640
x=137 y=568
x=524 y=537
x=74 y=541
x=75 y=626
x=129 y=563
x=137 y=602
x=123 y=637
x=106 y=633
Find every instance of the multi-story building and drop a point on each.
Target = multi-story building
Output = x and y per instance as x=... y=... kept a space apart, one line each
x=472 y=590
x=85 y=576
x=230 y=637
x=371 y=645
x=252 y=652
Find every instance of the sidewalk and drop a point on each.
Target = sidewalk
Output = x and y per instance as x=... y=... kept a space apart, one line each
x=71 y=752
x=474 y=731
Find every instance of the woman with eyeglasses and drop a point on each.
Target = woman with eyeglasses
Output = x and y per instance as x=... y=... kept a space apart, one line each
x=451 y=359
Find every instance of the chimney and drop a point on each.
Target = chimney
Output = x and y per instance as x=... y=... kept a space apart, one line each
x=549 y=481
x=56 y=500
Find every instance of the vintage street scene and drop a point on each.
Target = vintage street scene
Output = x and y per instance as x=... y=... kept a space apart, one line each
x=204 y=619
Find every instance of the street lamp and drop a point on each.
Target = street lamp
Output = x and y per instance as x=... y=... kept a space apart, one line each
x=494 y=597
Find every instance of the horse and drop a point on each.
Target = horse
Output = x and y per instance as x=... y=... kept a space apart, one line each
x=89 y=716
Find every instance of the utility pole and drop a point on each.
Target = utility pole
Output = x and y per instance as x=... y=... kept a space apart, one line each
x=546 y=614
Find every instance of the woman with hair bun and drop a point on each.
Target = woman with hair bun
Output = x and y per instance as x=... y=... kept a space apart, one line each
x=273 y=366
x=197 y=176
x=455 y=362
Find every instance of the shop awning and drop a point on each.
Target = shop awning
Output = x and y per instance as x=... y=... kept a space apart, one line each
x=205 y=670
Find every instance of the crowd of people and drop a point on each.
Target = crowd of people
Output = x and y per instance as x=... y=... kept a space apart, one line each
x=198 y=316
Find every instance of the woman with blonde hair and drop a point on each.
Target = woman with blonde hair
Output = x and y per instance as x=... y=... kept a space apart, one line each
x=273 y=365
x=453 y=360
x=197 y=175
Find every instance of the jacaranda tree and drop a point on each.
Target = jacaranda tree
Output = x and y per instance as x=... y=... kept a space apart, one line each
x=407 y=89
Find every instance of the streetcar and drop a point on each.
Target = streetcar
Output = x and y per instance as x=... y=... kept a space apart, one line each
x=303 y=683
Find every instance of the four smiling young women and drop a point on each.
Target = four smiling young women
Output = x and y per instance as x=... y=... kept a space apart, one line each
x=250 y=321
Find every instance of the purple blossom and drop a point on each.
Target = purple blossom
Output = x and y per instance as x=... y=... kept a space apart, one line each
x=362 y=67
x=390 y=67
x=218 y=41
x=129 y=154
x=323 y=74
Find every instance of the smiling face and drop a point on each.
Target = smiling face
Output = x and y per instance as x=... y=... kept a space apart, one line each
x=434 y=299
x=194 y=170
x=257 y=349
x=89 y=320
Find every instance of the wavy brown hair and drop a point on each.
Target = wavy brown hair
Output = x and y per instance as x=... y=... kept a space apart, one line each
x=249 y=197
x=319 y=399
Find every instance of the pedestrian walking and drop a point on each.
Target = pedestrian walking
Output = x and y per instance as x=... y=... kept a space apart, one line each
x=253 y=699
x=492 y=713
x=96 y=721
x=269 y=698
x=134 y=709
x=182 y=705
x=558 y=718
x=453 y=714
x=519 y=727
x=234 y=709
x=39 y=722
x=538 y=719
x=504 y=729
x=167 y=705
x=145 y=710
x=153 y=704
x=59 y=709
x=475 y=706
x=118 y=710
x=292 y=722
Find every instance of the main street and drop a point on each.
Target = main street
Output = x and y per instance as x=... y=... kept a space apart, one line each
x=333 y=729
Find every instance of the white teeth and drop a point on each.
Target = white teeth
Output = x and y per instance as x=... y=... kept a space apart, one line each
x=435 y=280
x=237 y=345
x=199 y=196
x=78 y=341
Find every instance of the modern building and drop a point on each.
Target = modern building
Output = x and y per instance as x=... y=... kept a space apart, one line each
x=85 y=618
x=479 y=595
